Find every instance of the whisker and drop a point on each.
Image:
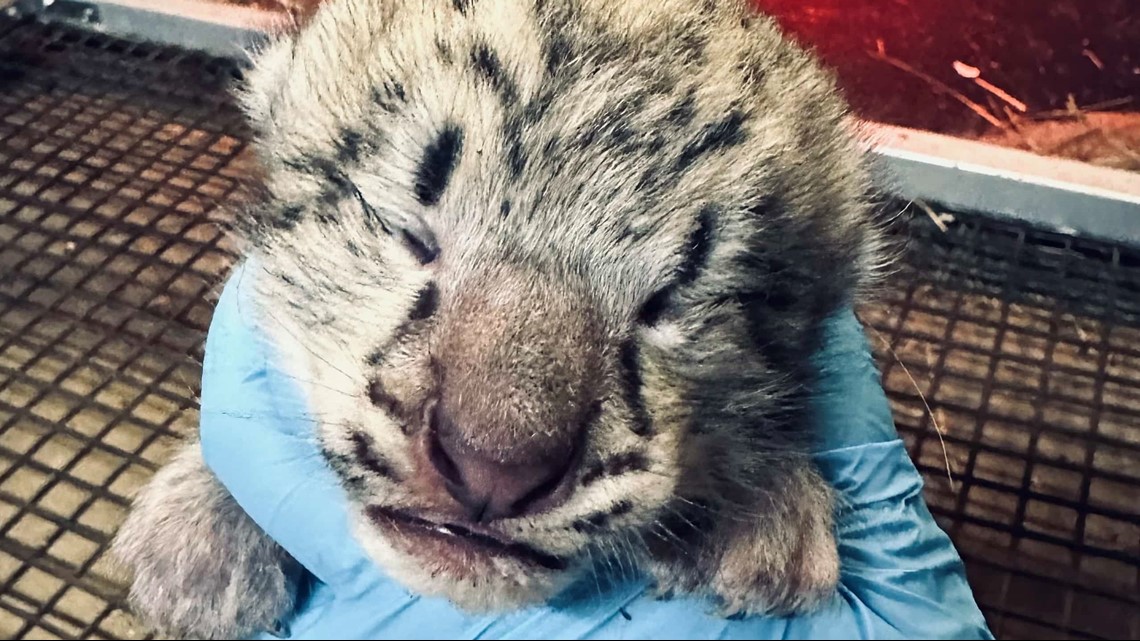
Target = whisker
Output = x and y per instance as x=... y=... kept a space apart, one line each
x=594 y=573
x=325 y=386
x=286 y=329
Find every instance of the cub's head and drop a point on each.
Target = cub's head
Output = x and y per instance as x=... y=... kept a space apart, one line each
x=548 y=271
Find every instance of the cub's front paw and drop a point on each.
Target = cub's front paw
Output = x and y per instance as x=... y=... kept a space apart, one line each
x=778 y=577
x=201 y=567
x=786 y=563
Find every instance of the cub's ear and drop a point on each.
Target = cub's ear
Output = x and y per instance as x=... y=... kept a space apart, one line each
x=309 y=73
x=300 y=12
x=265 y=81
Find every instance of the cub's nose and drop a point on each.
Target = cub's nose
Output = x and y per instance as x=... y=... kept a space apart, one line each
x=489 y=488
x=517 y=360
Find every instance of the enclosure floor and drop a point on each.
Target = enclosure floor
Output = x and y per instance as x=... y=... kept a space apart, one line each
x=114 y=156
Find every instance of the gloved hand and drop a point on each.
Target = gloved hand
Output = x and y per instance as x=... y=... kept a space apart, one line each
x=901 y=577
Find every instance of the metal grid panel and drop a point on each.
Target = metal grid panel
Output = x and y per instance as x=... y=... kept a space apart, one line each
x=1026 y=345
x=112 y=154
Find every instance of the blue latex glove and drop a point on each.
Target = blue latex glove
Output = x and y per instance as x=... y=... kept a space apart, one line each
x=901 y=576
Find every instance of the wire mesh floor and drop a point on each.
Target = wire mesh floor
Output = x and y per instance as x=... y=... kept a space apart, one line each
x=1025 y=344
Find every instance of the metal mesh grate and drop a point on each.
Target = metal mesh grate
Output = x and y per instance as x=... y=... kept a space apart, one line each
x=1026 y=345
x=112 y=154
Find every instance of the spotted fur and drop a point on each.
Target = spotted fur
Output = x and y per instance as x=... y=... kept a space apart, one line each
x=597 y=234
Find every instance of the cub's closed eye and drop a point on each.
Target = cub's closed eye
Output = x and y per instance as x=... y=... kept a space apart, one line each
x=413 y=231
x=421 y=240
x=697 y=248
x=656 y=306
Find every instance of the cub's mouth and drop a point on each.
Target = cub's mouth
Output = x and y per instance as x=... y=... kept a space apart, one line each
x=463 y=547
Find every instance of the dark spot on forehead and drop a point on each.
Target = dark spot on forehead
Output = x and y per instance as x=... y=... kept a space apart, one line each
x=388 y=94
x=551 y=146
x=649 y=178
x=329 y=200
x=516 y=157
x=349 y=145
x=538 y=105
x=691 y=46
x=622 y=133
x=611 y=125
x=437 y=164
x=681 y=113
x=505 y=208
x=557 y=50
x=462 y=6
x=444 y=51
x=489 y=67
x=607 y=47
x=715 y=136
x=382 y=101
x=289 y=216
x=751 y=70
x=558 y=14
x=304 y=163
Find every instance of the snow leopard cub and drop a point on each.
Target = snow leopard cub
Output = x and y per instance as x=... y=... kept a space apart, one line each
x=551 y=271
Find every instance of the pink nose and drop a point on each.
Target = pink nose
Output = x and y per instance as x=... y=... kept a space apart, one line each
x=489 y=489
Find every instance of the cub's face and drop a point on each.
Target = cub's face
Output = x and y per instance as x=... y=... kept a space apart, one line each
x=547 y=271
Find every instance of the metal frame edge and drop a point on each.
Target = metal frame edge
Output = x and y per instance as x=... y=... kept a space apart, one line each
x=1065 y=195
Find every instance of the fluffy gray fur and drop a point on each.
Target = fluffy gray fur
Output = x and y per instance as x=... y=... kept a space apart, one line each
x=606 y=227
x=203 y=568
